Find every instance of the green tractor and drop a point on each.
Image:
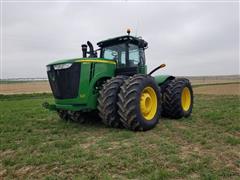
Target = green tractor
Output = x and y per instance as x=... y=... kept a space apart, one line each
x=117 y=86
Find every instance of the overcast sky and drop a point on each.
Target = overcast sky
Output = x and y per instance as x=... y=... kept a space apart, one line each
x=191 y=38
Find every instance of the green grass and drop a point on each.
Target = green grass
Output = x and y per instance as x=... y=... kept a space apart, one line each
x=20 y=81
x=34 y=143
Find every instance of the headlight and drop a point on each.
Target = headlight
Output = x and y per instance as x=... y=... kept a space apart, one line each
x=48 y=68
x=62 y=66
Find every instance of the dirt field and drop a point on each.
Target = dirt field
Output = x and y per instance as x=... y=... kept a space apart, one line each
x=28 y=87
x=222 y=89
x=37 y=87
x=213 y=79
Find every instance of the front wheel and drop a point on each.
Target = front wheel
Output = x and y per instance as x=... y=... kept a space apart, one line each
x=74 y=116
x=107 y=101
x=177 y=98
x=63 y=114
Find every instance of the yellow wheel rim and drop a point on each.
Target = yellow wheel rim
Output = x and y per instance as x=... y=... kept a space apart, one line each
x=148 y=103
x=186 y=99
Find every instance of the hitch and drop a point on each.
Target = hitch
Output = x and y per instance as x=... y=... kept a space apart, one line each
x=51 y=107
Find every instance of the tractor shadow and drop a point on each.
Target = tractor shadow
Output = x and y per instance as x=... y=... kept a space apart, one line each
x=95 y=122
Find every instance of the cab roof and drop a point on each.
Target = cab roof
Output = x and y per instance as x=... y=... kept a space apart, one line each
x=122 y=39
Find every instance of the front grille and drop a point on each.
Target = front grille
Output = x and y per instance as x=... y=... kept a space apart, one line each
x=65 y=82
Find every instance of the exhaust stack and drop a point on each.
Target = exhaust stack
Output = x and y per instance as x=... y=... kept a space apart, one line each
x=84 y=50
x=92 y=54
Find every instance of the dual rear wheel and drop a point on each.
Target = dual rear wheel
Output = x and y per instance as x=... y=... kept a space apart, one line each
x=177 y=98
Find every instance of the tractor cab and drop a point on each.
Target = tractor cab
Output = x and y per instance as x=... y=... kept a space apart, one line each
x=127 y=51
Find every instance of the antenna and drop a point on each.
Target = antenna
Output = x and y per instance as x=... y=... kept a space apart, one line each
x=137 y=28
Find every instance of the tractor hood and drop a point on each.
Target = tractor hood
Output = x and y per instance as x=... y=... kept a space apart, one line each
x=100 y=60
x=63 y=61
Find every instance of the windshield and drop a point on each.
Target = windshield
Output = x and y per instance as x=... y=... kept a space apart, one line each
x=118 y=53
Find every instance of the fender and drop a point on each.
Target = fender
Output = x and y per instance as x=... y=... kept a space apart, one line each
x=161 y=79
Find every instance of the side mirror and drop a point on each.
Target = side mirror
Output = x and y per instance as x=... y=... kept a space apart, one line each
x=142 y=44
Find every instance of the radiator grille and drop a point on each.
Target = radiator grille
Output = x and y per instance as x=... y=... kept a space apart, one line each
x=65 y=82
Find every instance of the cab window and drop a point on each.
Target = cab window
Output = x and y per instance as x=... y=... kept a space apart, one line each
x=117 y=53
x=134 y=55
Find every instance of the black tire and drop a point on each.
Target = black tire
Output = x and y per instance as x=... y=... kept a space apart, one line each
x=107 y=101
x=172 y=99
x=63 y=114
x=74 y=116
x=77 y=116
x=129 y=108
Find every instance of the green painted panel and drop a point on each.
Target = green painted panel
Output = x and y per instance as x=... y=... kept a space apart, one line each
x=62 y=61
x=160 y=79
x=142 y=69
x=87 y=96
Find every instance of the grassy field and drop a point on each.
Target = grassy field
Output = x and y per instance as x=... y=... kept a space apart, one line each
x=35 y=143
x=21 y=81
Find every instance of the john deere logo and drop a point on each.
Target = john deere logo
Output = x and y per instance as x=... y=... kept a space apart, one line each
x=82 y=95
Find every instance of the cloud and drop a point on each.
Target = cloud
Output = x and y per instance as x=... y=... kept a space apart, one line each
x=191 y=38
